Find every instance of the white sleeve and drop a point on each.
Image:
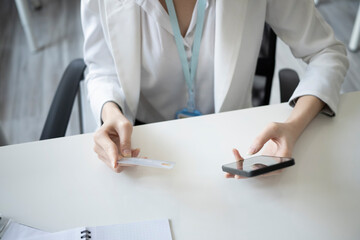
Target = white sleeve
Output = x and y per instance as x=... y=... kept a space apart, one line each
x=101 y=78
x=299 y=24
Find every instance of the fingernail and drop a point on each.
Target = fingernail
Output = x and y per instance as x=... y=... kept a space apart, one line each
x=127 y=153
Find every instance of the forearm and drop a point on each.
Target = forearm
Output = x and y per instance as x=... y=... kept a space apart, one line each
x=305 y=110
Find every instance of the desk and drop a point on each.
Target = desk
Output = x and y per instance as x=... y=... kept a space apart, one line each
x=59 y=184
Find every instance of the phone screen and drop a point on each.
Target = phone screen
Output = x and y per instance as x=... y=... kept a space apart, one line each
x=258 y=165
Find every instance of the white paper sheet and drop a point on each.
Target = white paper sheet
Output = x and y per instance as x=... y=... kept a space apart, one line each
x=149 y=230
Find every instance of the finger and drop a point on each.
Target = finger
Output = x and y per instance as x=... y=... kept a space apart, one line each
x=135 y=152
x=124 y=129
x=269 y=133
x=239 y=165
x=229 y=175
x=104 y=141
x=119 y=168
x=97 y=149
x=237 y=155
x=103 y=156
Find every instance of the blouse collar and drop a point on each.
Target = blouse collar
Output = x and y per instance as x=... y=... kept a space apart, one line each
x=154 y=9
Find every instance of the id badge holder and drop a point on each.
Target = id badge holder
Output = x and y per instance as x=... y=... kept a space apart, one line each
x=185 y=113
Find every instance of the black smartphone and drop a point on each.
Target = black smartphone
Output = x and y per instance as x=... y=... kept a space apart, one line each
x=258 y=165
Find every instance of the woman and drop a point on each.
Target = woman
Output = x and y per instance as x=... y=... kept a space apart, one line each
x=139 y=53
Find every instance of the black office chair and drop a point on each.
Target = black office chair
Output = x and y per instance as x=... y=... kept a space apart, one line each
x=62 y=104
x=61 y=107
x=265 y=68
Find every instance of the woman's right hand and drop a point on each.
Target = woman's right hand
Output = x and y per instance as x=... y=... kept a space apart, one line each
x=113 y=138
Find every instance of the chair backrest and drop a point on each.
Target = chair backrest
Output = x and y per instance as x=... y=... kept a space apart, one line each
x=265 y=68
x=2 y=138
x=60 y=110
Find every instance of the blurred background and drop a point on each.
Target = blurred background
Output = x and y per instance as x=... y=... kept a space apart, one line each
x=39 y=38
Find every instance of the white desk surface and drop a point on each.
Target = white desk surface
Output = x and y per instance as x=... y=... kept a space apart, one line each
x=59 y=184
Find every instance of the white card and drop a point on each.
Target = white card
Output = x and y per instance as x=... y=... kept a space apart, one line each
x=147 y=162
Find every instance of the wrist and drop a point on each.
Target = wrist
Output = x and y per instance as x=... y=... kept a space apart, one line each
x=110 y=110
x=306 y=108
x=296 y=127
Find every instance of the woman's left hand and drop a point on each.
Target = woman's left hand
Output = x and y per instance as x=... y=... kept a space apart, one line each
x=279 y=138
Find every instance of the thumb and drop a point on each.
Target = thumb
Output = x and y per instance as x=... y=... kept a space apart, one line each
x=270 y=132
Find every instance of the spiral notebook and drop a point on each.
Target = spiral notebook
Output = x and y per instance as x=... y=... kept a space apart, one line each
x=149 y=230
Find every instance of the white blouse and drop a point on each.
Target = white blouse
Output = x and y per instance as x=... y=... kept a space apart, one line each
x=114 y=59
x=161 y=66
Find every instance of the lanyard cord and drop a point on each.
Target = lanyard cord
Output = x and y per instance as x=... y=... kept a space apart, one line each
x=189 y=72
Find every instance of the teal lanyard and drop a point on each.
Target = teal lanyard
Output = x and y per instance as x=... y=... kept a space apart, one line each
x=189 y=72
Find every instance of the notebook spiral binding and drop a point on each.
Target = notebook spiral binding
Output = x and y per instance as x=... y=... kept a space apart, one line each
x=86 y=234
